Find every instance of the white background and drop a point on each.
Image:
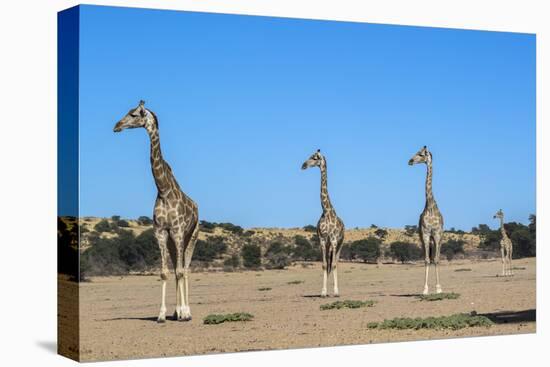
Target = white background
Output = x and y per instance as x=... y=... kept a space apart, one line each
x=28 y=180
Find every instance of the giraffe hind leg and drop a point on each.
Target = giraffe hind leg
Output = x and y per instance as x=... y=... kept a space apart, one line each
x=188 y=255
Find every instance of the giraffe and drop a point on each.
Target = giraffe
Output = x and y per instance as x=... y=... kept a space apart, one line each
x=431 y=221
x=505 y=246
x=330 y=228
x=175 y=219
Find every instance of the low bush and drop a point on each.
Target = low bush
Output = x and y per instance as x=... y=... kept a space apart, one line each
x=346 y=304
x=252 y=256
x=438 y=296
x=405 y=251
x=215 y=319
x=454 y=322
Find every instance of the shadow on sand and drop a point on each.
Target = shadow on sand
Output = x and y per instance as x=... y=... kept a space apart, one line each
x=511 y=317
x=405 y=295
x=151 y=318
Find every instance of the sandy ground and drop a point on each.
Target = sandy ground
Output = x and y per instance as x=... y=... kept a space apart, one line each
x=118 y=314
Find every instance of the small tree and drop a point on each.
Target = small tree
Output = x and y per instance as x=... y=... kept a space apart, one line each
x=208 y=250
x=305 y=250
x=103 y=226
x=144 y=220
x=252 y=256
x=115 y=218
x=310 y=228
x=452 y=248
x=405 y=251
x=232 y=262
x=277 y=256
x=123 y=223
x=367 y=250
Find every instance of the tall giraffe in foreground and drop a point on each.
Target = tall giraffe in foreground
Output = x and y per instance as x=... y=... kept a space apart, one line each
x=505 y=246
x=431 y=221
x=330 y=228
x=176 y=216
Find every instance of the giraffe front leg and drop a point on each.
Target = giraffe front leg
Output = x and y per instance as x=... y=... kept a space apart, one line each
x=335 y=271
x=325 y=270
x=162 y=239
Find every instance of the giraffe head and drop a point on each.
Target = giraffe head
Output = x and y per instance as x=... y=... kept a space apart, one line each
x=422 y=156
x=499 y=214
x=315 y=160
x=136 y=117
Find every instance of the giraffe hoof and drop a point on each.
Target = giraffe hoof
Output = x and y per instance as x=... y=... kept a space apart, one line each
x=426 y=291
x=161 y=320
x=336 y=295
x=186 y=318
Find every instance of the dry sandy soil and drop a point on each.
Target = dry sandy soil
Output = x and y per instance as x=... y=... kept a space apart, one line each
x=118 y=314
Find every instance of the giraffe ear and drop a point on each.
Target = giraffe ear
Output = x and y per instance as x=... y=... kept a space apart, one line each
x=318 y=150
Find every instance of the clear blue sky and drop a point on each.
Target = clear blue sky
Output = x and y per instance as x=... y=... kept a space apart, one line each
x=242 y=101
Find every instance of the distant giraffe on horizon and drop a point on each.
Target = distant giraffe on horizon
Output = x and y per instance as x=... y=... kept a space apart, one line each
x=431 y=222
x=176 y=216
x=506 y=246
x=330 y=227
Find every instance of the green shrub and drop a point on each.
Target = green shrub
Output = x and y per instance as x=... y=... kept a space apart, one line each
x=144 y=221
x=208 y=250
x=123 y=223
x=452 y=248
x=405 y=251
x=67 y=248
x=366 y=250
x=310 y=228
x=230 y=227
x=438 y=296
x=277 y=256
x=294 y=282
x=454 y=322
x=252 y=256
x=304 y=250
x=346 y=304
x=103 y=226
x=232 y=262
x=215 y=319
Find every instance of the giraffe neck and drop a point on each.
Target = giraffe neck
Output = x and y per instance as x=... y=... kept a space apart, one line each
x=502 y=230
x=429 y=194
x=325 y=199
x=158 y=166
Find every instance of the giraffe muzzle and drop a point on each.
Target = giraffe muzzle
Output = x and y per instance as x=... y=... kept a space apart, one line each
x=411 y=162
